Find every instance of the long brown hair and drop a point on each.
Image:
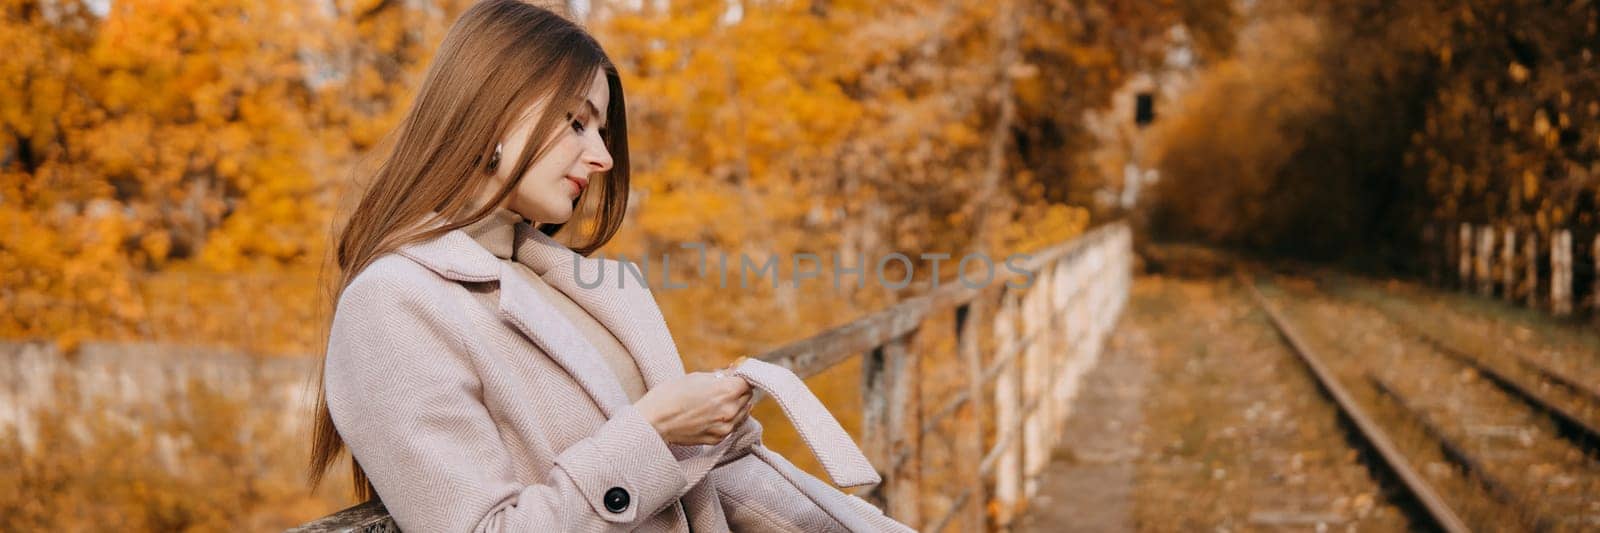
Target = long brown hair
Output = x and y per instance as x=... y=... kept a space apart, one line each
x=498 y=57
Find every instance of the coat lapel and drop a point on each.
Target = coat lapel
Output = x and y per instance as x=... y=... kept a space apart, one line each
x=629 y=312
x=559 y=338
x=627 y=308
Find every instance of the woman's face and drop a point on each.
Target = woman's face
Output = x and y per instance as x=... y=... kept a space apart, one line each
x=547 y=191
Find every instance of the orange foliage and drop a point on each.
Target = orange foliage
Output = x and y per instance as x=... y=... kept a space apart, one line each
x=1345 y=127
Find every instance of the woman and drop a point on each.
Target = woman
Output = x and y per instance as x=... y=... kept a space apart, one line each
x=477 y=386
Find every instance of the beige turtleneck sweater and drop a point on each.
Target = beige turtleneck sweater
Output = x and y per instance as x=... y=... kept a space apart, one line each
x=497 y=233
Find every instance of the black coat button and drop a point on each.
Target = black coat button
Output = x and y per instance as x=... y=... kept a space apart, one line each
x=616 y=499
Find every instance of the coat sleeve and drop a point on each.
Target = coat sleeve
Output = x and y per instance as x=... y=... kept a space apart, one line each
x=408 y=404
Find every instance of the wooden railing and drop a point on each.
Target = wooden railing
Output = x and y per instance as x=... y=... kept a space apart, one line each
x=1019 y=381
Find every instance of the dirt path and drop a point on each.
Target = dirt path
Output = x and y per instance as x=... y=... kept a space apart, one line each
x=1088 y=485
x=1200 y=419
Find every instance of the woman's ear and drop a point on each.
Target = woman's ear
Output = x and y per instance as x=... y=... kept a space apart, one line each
x=494 y=159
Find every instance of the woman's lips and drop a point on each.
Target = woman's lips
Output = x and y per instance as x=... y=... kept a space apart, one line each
x=578 y=184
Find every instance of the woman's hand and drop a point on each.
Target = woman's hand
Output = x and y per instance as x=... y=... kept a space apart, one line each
x=698 y=408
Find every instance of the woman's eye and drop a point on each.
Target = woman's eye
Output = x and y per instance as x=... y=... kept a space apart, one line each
x=576 y=124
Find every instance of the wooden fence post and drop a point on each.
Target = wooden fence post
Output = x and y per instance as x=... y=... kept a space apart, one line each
x=1508 y=264
x=1561 y=273
x=968 y=317
x=1068 y=278
x=1064 y=301
x=1464 y=256
x=1034 y=310
x=875 y=430
x=1484 y=274
x=892 y=426
x=1530 y=258
x=1446 y=251
x=1008 y=412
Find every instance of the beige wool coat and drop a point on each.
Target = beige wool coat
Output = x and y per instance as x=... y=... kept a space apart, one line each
x=468 y=416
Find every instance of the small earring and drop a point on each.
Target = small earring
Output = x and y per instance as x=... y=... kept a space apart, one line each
x=494 y=160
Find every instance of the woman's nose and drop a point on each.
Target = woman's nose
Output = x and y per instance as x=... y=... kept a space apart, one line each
x=597 y=158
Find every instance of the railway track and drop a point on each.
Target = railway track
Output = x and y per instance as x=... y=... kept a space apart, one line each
x=1478 y=442
x=1238 y=438
x=1572 y=405
x=1438 y=512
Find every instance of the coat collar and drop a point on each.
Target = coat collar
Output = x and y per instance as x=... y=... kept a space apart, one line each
x=627 y=309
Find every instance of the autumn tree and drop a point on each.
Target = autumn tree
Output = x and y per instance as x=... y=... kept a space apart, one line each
x=1373 y=120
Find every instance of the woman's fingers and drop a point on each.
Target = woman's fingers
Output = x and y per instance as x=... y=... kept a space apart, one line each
x=717 y=431
x=737 y=385
x=744 y=410
x=734 y=409
x=725 y=425
x=725 y=401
